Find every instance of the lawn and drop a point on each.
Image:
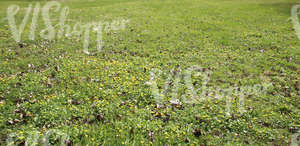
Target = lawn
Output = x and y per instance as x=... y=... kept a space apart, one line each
x=114 y=95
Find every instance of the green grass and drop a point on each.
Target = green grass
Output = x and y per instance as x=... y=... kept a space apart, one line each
x=104 y=99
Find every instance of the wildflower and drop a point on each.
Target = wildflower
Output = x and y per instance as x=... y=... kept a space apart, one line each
x=2 y=102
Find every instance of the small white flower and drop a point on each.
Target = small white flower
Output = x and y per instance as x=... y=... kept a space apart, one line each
x=96 y=29
x=175 y=101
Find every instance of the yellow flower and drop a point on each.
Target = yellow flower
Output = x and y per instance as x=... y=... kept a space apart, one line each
x=22 y=137
x=2 y=103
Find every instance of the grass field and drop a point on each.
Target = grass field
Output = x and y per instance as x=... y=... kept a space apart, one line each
x=103 y=97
